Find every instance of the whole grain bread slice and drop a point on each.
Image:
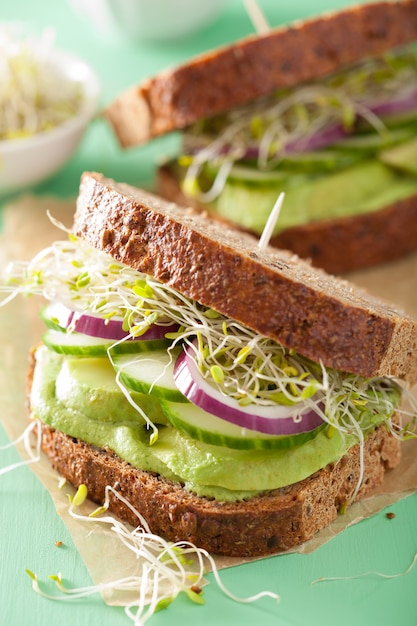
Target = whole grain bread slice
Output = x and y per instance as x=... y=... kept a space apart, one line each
x=270 y=291
x=264 y=524
x=338 y=245
x=257 y=65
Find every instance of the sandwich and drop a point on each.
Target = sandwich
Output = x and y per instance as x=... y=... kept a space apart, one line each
x=234 y=395
x=323 y=109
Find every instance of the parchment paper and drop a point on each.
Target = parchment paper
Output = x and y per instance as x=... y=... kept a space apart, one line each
x=26 y=230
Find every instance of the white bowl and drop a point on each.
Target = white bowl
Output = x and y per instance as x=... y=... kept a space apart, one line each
x=162 y=19
x=152 y=20
x=25 y=162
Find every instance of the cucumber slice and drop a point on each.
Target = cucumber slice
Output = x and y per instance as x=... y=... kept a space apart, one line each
x=78 y=344
x=373 y=142
x=320 y=161
x=151 y=372
x=252 y=174
x=213 y=430
x=90 y=383
x=51 y=319
x=402 y=157
x=302 y=164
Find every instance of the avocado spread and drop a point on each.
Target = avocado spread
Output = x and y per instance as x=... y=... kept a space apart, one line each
x=359 y=189
x=80 y=397
x=364 y=187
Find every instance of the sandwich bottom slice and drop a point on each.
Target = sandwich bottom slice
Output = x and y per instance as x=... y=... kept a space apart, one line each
x=261 y=525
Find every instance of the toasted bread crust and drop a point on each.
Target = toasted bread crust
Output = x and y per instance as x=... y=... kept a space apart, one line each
x=261 y=525
x=339 y=245
x=257 y=65
x=270 y=291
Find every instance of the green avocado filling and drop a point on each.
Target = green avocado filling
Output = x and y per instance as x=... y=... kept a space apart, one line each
x=80 y=397
x=342 y=147
x=362 y=188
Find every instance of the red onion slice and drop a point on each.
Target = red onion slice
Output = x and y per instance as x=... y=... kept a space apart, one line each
x=272 y=420
x=402 y=104
x=334 y=133
x=316 y=141
x=95 y=326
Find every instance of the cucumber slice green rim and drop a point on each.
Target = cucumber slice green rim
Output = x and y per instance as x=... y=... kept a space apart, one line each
x=210 y=429
x=78 y=344
x=151 y=372
x=373 y=142
x=50 y=321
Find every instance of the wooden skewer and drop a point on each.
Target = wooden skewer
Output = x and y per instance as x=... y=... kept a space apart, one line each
x=270 y=224
x=262 y=27
x=257 y=17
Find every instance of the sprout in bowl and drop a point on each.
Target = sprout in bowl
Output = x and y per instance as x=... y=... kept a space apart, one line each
x=47 y=99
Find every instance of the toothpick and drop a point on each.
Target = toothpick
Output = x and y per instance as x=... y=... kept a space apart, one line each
x=257 y=17
x=270 y=224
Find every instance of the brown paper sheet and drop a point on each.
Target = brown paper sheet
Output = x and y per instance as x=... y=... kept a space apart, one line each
x=26 y=230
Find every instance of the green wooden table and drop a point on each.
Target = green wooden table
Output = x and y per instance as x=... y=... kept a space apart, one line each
x=29 y=526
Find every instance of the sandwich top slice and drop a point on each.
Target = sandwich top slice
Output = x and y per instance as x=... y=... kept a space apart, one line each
x=324 y=109
x=236 y=396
